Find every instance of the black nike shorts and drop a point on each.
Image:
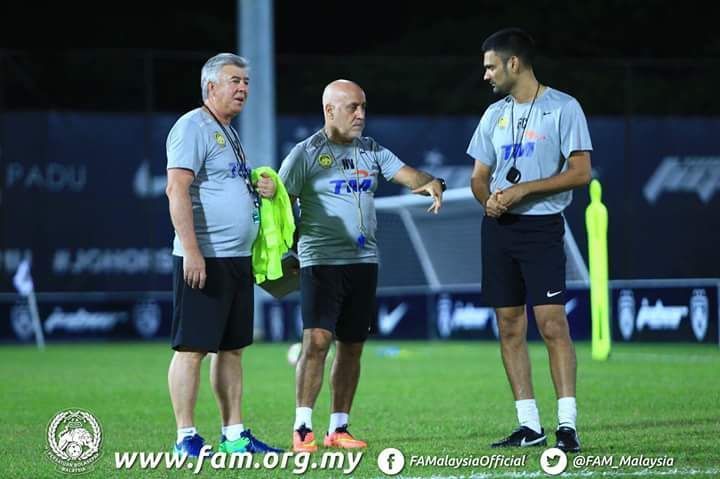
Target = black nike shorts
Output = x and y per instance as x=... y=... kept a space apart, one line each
x=218 y=317
x=523 y=260
x=340 y=299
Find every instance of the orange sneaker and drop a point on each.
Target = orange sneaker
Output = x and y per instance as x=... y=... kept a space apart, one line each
x=342 y=439
x=304 y=440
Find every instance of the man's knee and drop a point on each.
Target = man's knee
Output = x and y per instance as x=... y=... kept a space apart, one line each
x=349 y=351
x=512 y=322
x=555 y=329
x=316 y=343
x=230 y=354
x=189 y=357
x=552 y=323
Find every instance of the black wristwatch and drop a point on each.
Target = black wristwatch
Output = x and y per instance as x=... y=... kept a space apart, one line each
x=442 y=183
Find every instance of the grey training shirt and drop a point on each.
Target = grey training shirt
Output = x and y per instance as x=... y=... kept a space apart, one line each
x=336 y=186
x=222 y=206
x=556 y=128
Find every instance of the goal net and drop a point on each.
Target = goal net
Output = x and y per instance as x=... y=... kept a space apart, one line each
x=420 y=250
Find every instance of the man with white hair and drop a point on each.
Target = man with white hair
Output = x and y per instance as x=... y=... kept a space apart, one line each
x=334 y=174
x=215 y=212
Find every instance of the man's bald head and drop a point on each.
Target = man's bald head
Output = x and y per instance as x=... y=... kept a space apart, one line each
x=344 y=109
x=338 y=89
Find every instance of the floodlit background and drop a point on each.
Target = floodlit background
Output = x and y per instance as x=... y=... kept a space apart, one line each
x=83 y=120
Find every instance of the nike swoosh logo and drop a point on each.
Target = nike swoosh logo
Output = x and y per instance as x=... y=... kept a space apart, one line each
x=524 y=443
x=388 y=320
x=546 y=113
x=550 y=295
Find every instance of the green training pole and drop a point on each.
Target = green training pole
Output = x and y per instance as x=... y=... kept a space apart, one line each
x=596 y=222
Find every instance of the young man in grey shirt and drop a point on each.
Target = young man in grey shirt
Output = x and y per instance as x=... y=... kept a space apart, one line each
x=334 y=174
x=530 y=149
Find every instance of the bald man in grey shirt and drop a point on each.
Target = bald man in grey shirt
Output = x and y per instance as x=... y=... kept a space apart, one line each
x=334 y=173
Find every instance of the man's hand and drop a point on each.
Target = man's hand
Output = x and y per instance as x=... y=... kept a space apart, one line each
x=512 y=195
x=420 y=183
x=265 y=186
x=434 y=189
x=194 y=269
x=494 y=206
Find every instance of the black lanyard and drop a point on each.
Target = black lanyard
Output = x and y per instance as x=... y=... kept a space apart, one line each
x=518 y=146
x=239 y=152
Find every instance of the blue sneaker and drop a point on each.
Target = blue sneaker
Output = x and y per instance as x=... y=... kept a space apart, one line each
x=190 y=445
x=255 y=445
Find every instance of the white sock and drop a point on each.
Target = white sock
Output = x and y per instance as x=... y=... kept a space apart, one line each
x=232 y=432
x=567 y=412
x=528 y=415
x=184 y=432
x=303 y=415
x=338 y=419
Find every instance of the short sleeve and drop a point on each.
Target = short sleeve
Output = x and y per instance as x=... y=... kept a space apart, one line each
x=389 y=163
x=574 y=133
x=185 y=146
x=293 y=170
x=481 y=147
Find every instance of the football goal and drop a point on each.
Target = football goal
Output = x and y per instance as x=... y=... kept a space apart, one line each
x=420 y=251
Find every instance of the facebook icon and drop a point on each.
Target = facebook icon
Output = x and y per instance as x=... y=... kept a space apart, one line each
x=391 y=461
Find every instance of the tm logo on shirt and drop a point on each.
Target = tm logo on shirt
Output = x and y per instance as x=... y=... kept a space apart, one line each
x=521 y=150
x=361 y=183
x=342 y=186
x=235 y=170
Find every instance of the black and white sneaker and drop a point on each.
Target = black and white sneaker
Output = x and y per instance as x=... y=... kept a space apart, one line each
x=567 y=439
x=522 y=437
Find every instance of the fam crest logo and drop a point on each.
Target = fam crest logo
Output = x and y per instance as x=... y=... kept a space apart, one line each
x=74 y=440
x=325 y=161
x=219 y=139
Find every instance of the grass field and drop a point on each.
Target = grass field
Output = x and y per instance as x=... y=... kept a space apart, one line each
x=430 y=399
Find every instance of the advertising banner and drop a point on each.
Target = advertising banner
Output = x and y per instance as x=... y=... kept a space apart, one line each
x=87 y=317
x=665 y=312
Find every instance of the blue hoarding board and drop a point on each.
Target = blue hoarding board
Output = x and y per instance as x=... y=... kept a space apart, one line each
x=83 y=194
x=641 y=311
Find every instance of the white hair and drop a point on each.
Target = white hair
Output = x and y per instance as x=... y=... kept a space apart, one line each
x=212 y=67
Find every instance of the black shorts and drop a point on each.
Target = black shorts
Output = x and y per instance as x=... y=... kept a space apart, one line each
x=339 y=299
x=523 y=258
x=218 y=317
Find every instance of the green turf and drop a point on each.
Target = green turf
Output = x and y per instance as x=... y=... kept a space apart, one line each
x=434 y=398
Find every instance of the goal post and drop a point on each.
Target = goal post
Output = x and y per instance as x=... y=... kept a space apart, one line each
x=422 y=250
